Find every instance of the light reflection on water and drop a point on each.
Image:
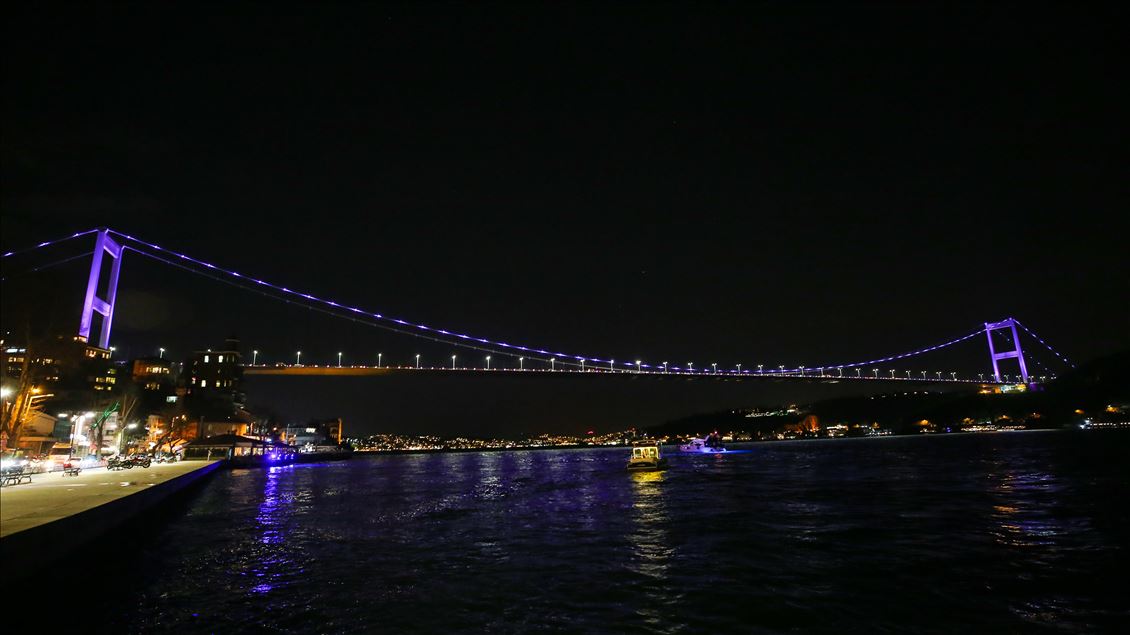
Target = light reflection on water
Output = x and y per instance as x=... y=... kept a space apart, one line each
x=1004 y=533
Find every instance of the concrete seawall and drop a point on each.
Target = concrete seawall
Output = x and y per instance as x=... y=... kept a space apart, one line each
x=50 y=519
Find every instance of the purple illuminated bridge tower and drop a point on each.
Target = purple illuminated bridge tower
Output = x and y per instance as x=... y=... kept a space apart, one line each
x=104 y=306
x=1016 y=351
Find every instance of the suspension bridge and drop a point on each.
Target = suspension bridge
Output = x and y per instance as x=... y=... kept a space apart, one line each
x=1003 y=337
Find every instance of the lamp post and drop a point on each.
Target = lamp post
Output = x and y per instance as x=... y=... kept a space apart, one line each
x=715 y=367
x=759 y=369
x=112 y=349
x=857 y=373
x=161 y=353
x=739 y=369
x=452 y=362
x=892 y=373
x=840 y=370
x=520 y=363
x=908 y=374
x=298 y=358
x=801 y=370
x=638 y=369
x=488 y=362
x=982 y=376
x=876 y=371
x=417 y=360
x=781 y=368
x=690 y=366
x=379 y=359
x=552 y=367
x=254 y=357
x=582 y=364
x=954 y=376
x=923 y=374
x=665 y=367
x=939 y=373
x=339 y=359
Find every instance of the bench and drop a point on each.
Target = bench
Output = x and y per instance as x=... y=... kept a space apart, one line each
x=71 y=470
x=15 y=476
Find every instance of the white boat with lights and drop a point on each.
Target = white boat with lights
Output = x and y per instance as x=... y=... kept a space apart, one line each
x=646 y=457
x=710 y=444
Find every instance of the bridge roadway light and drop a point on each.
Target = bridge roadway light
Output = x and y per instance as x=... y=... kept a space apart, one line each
x=857 y=373
x=379 y=359
x=954 y=376
x=161 y=353
x=339 y=359
x=841 y=370
x=488 y=362
x=452 y=362
x=876 y=371
x=908 y=374
x=520 y=364
x=582 y=364
x=690 y=366
x=611 y=362
x=739 y=369
x=664 y=366
x=417 y=360
x=298 y=358
x=939 y=373
x=638 y=366
x=552 y=367
x=801 y=371
x=759 y=367
x=923 y=374
x=982 y=376
x=781 y=368
x=892 y=373
x=254 y=357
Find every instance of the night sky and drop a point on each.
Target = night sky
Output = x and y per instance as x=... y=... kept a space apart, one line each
x=768 y=183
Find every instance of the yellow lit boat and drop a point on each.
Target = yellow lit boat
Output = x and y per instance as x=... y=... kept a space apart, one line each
x=646 y=457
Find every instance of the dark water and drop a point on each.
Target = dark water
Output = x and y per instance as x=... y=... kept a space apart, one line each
x=1017 y=532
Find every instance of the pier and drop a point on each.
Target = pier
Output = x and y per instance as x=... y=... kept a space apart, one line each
x=54 y=515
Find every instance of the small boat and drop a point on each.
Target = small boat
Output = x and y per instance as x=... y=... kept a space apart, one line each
x=646 y=457
x=709 y=444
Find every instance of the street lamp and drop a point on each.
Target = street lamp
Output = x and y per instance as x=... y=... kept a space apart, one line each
x=611 y=362
x=339 y=359
x=954 y=376
x=112 y=349
x=739 y=369
x=582 y=364
x=939 y=373
x=690 y=366
x=892 y=373
x=759 y=368
x=520 y=364
x=841 y=370
x=552 y=367
x=857 y=373
x=298 y=358
x=715 y=367
x=254 y=357
x=781 y=368
x=908 y=374
x=417 y=360
x=488 y=362
x=664 y=366
x=452 y=362
x=982 y=376
x=876 y=371
x=923 y=374
x=801 y=371
x=379 y=359
x=638 y=366
x=161 y=353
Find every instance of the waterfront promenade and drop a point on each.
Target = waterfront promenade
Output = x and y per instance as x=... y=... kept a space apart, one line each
x=53 y=497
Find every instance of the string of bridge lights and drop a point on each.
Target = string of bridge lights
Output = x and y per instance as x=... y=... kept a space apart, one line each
x=479 y=343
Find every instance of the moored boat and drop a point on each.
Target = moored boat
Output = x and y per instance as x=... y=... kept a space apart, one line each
x=711 y=443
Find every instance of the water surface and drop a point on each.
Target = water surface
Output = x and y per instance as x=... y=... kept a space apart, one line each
x=1016 y=532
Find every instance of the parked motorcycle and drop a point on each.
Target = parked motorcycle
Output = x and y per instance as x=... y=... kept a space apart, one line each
x=142 y=460
x=116 y=463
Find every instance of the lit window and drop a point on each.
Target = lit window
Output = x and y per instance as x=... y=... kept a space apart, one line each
x=205 y=359
x=204 y=384
x=171 y=399
x=221 y=360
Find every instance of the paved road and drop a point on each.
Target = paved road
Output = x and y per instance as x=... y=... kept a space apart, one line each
x=52 y=496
